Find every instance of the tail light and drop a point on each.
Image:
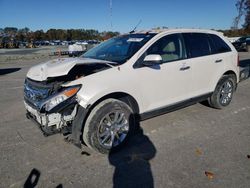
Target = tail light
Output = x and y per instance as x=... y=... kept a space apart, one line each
x=238 y=61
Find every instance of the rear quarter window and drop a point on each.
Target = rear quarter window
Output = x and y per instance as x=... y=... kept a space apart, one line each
x=197 y=44
x=218 y=45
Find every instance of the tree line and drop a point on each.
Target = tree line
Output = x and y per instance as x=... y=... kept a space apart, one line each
x=25 y=34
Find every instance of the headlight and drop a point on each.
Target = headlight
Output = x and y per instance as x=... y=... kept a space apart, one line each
x=60 y=97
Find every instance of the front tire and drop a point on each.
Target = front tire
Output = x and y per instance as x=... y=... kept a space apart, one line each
x=108 y=126
x=223 y=93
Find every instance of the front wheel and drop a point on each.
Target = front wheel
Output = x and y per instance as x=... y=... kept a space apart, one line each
x=108 y=125
x=223 y=93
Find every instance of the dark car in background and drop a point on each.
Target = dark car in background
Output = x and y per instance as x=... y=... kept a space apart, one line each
x=241 y=43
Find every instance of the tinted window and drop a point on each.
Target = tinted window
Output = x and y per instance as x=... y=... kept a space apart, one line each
x=197 y=44
x=169 y=47
x=219 y=46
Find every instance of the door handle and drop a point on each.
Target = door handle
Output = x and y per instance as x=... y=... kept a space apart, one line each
x=184 y=68
x=218 y=61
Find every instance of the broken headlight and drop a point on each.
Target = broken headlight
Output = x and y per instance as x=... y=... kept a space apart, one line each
x=60 y=97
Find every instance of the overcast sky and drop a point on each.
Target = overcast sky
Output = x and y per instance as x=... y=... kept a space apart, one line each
x=95 y=14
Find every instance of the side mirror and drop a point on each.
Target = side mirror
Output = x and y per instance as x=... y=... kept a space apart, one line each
x=153 y=59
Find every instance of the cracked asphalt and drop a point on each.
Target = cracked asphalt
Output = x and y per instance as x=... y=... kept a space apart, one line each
x=173 y=150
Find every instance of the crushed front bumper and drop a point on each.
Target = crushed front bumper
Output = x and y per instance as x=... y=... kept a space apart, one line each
x=72 y=124
x=53 y=122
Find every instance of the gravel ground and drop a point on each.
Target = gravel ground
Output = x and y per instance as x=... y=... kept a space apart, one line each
x=193 y=147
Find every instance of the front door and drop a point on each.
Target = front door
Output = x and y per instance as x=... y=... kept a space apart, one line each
x=167 y=83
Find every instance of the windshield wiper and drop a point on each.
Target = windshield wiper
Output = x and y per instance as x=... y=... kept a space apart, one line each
x=109 y=64
x=104 y=61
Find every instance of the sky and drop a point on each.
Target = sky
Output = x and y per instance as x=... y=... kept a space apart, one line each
x=95 y=14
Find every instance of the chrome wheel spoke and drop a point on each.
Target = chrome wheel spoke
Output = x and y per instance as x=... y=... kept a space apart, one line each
x=107 y=132
x=112 y=139
x=113 y=129
x=121 y=117
x=106 y=138
x=226 y=92
x=116 y=116
x=107 y=117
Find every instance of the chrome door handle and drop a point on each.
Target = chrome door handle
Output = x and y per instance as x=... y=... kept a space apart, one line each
x=218 y=61
x=184 y=68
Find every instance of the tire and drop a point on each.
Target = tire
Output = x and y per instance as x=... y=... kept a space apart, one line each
x=101 y=127
x=223 y=93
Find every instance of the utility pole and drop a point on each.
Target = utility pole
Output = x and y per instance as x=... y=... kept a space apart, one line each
x=110 y=8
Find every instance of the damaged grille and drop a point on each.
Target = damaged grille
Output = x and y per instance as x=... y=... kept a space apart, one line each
x=35 y=93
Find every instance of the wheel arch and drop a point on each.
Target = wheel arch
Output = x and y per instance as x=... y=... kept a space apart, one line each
x=220 y=75
x=230 y=72
x=124 y=97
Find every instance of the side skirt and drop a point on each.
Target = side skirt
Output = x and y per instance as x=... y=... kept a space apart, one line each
x=176 y=106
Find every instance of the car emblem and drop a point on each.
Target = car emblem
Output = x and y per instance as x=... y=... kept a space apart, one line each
x=30 y=94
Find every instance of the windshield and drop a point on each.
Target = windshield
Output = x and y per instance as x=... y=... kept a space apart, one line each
x=119 y=49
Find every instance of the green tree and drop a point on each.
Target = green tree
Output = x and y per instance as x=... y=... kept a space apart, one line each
x=11 y=31
x=39 y=35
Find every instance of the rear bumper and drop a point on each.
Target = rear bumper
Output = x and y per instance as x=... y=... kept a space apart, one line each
x=244 y=73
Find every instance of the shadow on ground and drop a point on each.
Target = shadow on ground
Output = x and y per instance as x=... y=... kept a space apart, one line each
x=8 y=71
x=33 y=178
x=132 y=166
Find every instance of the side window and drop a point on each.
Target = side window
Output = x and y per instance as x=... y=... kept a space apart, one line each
x=169 y=47
x=197 y=44
x=219 y=45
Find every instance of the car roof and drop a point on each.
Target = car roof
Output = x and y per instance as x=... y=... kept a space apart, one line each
x=157 y=31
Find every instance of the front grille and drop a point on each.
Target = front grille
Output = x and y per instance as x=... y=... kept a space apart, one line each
x=35 y=93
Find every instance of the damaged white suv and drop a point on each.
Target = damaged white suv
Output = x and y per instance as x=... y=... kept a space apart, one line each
x=98 y=97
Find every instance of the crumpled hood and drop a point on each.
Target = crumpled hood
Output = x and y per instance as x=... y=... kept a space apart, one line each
x=58 y=67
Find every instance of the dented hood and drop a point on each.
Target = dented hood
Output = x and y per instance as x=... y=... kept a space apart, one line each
x=58 y=67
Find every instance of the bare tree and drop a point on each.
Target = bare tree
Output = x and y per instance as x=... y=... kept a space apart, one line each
x=240 y=5
x=247 y=14
x=243 y=8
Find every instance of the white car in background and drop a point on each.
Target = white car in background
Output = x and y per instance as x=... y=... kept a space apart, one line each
x=233 y=39
x=76 y=49
x=98 y=97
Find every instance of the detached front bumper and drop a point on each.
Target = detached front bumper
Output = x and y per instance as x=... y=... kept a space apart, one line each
x=51 y=123
x=71 y=120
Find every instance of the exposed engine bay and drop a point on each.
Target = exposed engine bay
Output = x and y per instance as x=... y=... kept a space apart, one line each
x=78 y=71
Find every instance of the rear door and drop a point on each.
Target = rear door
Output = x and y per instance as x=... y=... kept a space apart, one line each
x=206 y=65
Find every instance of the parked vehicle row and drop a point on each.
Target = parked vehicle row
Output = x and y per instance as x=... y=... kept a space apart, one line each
x=242 y=43
x=12 y=43
x=65 y=43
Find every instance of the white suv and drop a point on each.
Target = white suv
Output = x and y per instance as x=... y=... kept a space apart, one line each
x=98 y=97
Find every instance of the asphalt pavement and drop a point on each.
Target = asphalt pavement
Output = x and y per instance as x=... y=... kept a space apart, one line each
x=193 y=147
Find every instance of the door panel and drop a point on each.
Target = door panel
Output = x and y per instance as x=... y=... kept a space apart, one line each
x=164 y=85
x=169 y=82
x=205 y=70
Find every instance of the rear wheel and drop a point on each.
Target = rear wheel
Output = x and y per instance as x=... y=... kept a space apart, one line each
x=223 y=94
x=108 y=126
